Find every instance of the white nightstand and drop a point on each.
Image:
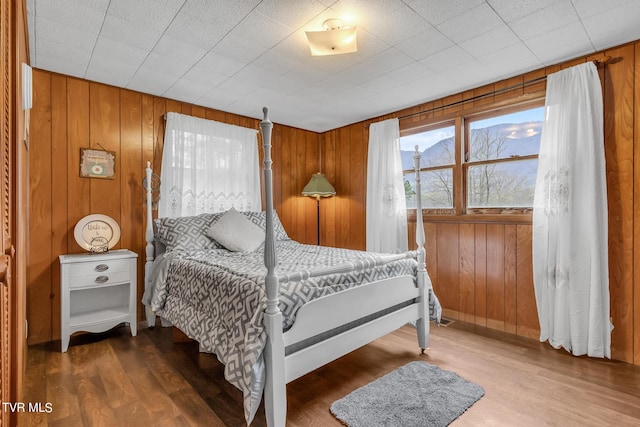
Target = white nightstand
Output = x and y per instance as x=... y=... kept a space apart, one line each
x=97 y=292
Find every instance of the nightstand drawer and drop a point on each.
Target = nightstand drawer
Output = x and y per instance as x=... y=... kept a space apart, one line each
x=104 y=267
x=99 y=279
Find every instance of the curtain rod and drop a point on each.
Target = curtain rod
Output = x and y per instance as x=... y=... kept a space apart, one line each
x=597 y=62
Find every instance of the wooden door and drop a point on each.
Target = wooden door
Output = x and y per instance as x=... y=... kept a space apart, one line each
x=5 y=261
x=13 y=51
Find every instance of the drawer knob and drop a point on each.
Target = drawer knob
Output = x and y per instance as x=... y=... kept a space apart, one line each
x=102 y=267
x=102 y=279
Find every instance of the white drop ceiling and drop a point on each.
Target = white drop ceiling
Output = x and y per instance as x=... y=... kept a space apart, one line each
x=238 y=55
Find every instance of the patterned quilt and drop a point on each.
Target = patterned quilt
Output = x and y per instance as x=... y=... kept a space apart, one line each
x=218 y=298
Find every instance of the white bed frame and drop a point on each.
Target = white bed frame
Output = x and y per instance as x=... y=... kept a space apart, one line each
x=328 y=312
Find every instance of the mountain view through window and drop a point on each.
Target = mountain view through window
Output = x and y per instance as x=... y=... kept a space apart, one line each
x=499 y=162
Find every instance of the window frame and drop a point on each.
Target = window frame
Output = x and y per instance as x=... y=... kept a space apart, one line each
x=428 y=128
x=461 y=120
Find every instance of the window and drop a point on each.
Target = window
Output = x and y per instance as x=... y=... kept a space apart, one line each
x=208 y=166
x=437 y=160
x=495 y=170
x=502 y=159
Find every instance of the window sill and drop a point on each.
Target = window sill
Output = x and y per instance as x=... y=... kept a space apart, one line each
x=506 y=217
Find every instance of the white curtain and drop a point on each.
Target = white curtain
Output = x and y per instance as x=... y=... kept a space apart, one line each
x=386 y=203
x=570 y=255
x=208 y=166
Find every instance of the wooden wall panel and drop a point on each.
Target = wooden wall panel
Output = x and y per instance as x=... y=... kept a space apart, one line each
x=466 y=293
x=40 y=207
x=618 y=133
x=79 y=203
x=446 y=285
x=70 y=114
x=495 y=276
x=130 y=165
x=636 y=208
x=59 y=220
x=480 y=267
x=104 y=133
x=510 y=290
x=527 y=324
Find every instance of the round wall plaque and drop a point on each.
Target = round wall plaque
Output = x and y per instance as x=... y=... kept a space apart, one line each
x=97 y=233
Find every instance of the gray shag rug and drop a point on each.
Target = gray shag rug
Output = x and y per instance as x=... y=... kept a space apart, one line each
x=416 y=394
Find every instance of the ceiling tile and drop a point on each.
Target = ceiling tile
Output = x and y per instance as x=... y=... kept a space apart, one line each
x=438 y=11
x=261 y=30
x=112 y=71
x=153 y=81
x=166 y=65
x=86 y=15
x=511 y=10
x=363 y=13
x=151 y=14
x=113 y=62
x=293 y=14
x=112 y=49
x=275 y=63
x=447 y=58
x=588 y=8
x=510 y=61
x=286 y=85
x=381 y=84
x=61 y=58
x=218 y=98
x=471 y=23
x=128 y=32
x=237 y=86
x=615 y=26
x=180 y=51
x=493 y=40
x=194 y=31
x=470 y=74
x=258 y=76
x=238 y=49
x=554 y=45
x=410 y=72
x=551 y=17
x=204 y=76
x=187 y=91
x=376 y=66
x=425 y=44
x=224 y=13
x=220 y=64
x=402 y=24
x=66 y=34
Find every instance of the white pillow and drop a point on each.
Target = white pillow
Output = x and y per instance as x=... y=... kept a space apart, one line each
x=235 y=232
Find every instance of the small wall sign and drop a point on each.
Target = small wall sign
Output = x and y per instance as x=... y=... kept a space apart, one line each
x=97 y=163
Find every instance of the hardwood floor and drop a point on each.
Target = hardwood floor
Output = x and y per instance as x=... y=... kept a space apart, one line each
x=114 y=379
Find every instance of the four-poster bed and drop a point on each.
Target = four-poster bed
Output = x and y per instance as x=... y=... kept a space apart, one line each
x=275 y=314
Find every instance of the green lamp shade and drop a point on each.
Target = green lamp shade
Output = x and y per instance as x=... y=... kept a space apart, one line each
x=318 y=186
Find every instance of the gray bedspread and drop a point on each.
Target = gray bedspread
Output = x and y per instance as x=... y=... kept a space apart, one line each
x=218 y=298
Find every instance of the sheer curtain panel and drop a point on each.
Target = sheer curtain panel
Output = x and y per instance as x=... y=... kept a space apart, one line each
x=208 y=166
x=570 y=235
x=386 y=203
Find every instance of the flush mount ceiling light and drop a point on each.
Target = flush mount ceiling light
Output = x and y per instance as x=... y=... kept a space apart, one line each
x=335 y=39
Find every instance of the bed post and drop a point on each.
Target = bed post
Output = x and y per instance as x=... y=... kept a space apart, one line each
x=422 y=324
x=275 y=391
x=151 y=317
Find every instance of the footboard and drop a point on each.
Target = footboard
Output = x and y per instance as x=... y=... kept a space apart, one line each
x=344 y=321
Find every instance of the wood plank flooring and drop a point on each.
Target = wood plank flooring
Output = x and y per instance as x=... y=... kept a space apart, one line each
x=113 y=379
